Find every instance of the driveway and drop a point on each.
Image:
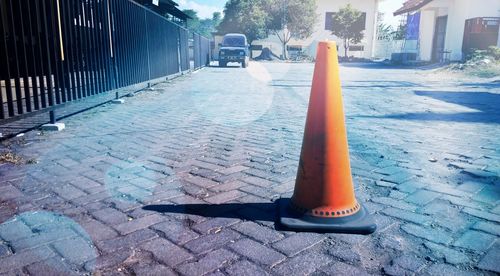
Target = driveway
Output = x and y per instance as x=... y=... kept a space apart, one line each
x=183 y=179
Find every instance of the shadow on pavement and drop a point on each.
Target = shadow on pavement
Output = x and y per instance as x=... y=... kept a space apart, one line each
x=487 y=104
x=249 y=211
x=388 y=66
x=379 y=84
x=483 y=101
x=487 y=85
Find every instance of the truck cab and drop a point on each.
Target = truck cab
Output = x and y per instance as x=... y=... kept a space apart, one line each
x=234 y=48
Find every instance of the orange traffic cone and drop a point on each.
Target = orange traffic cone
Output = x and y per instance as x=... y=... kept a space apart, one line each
x=323 y=199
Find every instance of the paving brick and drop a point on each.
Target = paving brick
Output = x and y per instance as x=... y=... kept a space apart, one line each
x=434 y=235
x=233 y=169
x=297 y=243
x=130 y=240
x=76 y=250
x=98 y=231
x=405 y=264
x=9 y=192
x=407 y=216
x=302 y=264
x=409 y=187
x=448 y=189
x=489 y=195
x=167 y=252
x=487 y=227
x=398 y=178
x=444 y=269
x=462 y=202
x=154 y=270
x=14 y=230
x=68 y=192
x=24 y=258
x=4 y=251
x=258 y=232
x=471 y=186
x=345 y=252
x=397 y=195
x=224 y=197
x=422 y=197
x=490 y=260
x=257 y=252
x=450 y=255
x=214 y=224
x=394 y=203
x=258 y=181
x=482 y=214
x=176 y=231
x=201 y=181
x=137 y=224
x=475 y=240
x=43 y=237
x=245 y=267
x=209 y=263
x=212 y=241
x=53 y=266
x=229 y=186
x=339 y=268
x=110 y=216
x=107 y=260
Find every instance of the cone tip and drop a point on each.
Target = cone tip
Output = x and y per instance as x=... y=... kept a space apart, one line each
x=328 y=44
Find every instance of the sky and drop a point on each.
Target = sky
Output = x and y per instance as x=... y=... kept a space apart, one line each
x=206 y=8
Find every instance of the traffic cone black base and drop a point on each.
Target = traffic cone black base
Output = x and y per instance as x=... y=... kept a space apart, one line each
x=359 y=223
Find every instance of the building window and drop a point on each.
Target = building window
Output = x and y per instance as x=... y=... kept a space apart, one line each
x=356 y=48
x=329 y=22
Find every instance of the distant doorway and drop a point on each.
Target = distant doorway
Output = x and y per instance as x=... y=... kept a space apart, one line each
x=438 y=52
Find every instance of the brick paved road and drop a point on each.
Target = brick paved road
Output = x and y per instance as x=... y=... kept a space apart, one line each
x=183 y=179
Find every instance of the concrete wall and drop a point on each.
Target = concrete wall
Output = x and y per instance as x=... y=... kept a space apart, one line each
x=309 y=45
x=426 y=35
x=458 y=11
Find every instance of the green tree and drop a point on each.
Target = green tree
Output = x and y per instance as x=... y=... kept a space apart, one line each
x=384 y=31
x=346 y=26
x=244 y=16
x=291 y=19
x=205 y=27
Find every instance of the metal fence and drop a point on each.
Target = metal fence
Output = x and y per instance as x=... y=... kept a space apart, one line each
x=57 y=51
x=201 y=47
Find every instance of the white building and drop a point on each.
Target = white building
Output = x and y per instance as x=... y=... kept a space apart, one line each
x=442 y=27
x=325 y=9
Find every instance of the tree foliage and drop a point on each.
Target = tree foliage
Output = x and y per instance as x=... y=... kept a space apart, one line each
x=346 y=26
x=244 y=16
x=289 y=19
x=205 y=27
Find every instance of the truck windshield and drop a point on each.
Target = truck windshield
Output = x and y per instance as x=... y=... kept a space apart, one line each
x=234 y=41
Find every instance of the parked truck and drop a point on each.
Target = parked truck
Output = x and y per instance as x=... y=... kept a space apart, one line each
x=234 y=48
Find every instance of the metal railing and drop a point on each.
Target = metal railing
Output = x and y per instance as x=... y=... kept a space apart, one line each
x=57 y=51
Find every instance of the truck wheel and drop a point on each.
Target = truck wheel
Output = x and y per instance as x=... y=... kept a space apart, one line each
x=244 y=64
x=222 y=64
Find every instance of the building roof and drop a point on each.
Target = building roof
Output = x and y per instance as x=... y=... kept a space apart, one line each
x=411 y=5
x=165 y=7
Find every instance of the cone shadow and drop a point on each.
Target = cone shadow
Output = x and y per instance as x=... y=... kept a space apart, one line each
x=264 y=212
x=247 y=211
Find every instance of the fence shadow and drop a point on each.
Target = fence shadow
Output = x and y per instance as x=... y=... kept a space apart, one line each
x=486 y=103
